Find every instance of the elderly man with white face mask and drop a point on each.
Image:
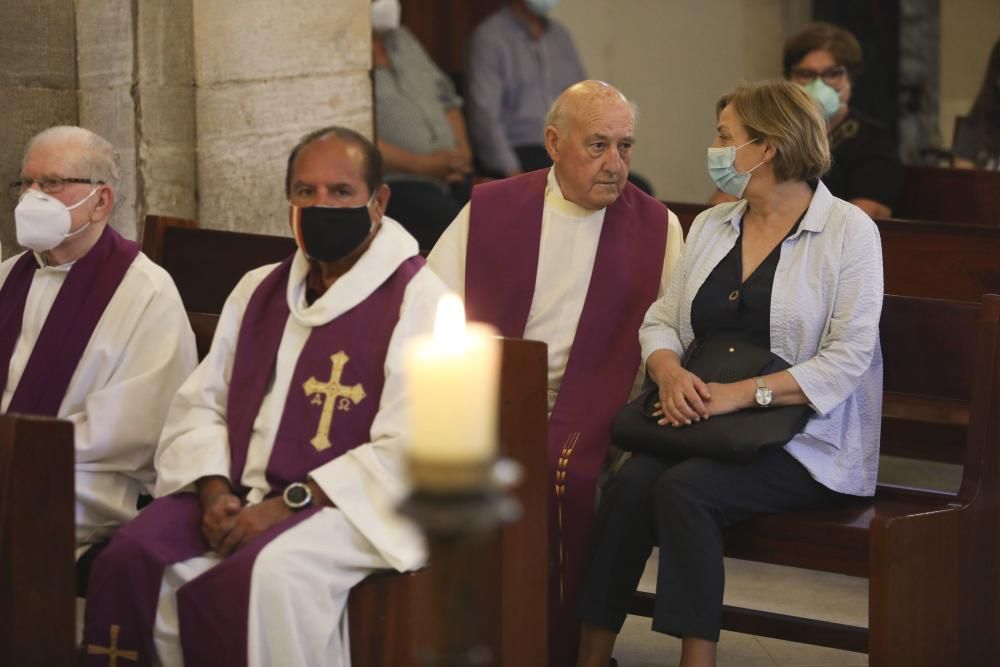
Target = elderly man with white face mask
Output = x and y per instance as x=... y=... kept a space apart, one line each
x=91 y=330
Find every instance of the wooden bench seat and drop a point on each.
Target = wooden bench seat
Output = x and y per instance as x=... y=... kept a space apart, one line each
x=931 y=557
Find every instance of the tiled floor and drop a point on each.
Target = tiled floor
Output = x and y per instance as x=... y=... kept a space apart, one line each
x=781 y=589
x=830 y=597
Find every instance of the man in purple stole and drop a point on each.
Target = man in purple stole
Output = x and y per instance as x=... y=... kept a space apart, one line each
x=91 y=330
x=572 y=256
x=281 y=462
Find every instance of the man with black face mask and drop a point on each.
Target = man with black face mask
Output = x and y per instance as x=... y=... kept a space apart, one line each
x=280 y=464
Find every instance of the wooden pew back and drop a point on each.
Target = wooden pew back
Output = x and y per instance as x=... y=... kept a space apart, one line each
x=37 y=542
x=926 y=405
x=938 y=259
x=206 y=264
x=960 y=195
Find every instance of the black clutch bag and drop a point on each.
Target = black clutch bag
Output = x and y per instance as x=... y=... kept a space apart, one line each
x=736 y=436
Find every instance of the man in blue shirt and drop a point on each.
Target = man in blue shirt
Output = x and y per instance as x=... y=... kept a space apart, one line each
x=518 y=62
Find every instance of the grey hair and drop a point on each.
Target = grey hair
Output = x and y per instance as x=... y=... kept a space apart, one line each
x=97 y=159
x=558 y=115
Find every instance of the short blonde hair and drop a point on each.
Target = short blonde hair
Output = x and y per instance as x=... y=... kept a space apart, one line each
x=783 y=115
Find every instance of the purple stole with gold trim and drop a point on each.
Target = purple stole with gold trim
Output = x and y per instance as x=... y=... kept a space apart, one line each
x=332 y=400
x=82 y=299
x=500 y=270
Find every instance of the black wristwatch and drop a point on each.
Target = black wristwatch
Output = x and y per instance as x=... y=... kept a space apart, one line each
x=297 y=496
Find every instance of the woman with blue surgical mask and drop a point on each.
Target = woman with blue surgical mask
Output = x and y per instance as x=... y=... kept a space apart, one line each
x=825 y=59
x=777 y=270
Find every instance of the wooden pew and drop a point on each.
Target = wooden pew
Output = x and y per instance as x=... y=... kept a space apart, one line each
x=389 y=616
x=206 y=264
x=961 y=195
x=37 y=542
x=388 y=612
x=940 y=260
x=931 y=558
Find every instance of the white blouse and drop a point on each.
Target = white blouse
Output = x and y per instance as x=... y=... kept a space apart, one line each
x=826 y=303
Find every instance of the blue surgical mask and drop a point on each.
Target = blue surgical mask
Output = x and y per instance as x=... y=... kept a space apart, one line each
x=825 y=96
x=541 y=7
x=722 y=169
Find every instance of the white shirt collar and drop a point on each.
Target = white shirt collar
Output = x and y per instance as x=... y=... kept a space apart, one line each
x=554 y=199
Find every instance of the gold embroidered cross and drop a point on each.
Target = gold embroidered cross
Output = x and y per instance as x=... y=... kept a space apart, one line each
x=112 y=651
x=328 y=393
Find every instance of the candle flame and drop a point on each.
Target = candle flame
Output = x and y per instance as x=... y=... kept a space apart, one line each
x=449 y=324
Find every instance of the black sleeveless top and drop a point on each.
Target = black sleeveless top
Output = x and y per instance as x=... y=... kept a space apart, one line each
x=724 y=305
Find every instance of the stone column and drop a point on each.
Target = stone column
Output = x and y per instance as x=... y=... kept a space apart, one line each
x=266 y=74
x=136 y=89
x=37 y=86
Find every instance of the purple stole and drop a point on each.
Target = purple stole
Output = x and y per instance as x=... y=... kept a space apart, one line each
x=88 y=288
x=500 y=270
x=332 y=400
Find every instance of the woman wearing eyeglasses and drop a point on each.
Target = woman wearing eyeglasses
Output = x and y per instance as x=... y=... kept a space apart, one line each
x=826 y=59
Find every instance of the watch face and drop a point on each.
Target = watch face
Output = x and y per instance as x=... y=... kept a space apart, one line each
x=763 y=396
x=297 y=496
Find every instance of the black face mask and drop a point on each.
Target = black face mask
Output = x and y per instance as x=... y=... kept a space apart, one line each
x=327 y=234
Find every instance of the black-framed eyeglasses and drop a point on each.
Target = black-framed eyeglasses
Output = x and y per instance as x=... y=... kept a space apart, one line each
x=830 y=75
x=50 y=185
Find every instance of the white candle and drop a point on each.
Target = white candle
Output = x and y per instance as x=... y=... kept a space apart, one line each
x=452 y=380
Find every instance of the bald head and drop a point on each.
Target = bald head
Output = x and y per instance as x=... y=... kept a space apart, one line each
x=589 y=134
x=87 y=153
x=583 y=96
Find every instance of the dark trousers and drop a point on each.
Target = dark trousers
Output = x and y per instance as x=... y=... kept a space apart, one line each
x=424 y=209
x=682 y=508
x=536 y=157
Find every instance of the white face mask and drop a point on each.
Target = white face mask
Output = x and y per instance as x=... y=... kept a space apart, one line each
x=43 y=222
x=385 y=15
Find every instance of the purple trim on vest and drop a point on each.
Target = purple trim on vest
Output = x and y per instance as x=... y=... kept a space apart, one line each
x=88 y=288
x=366 y=328
x=505 y=234
x=124 y=585
x=350 y=352
x=214 y=632
x=506 y=220
x=125 y=580
x=254 y=362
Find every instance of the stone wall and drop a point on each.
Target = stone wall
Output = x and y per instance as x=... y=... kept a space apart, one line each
x=37 y=86
x=266 y=76
x=202 y=99
x=136 y=82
